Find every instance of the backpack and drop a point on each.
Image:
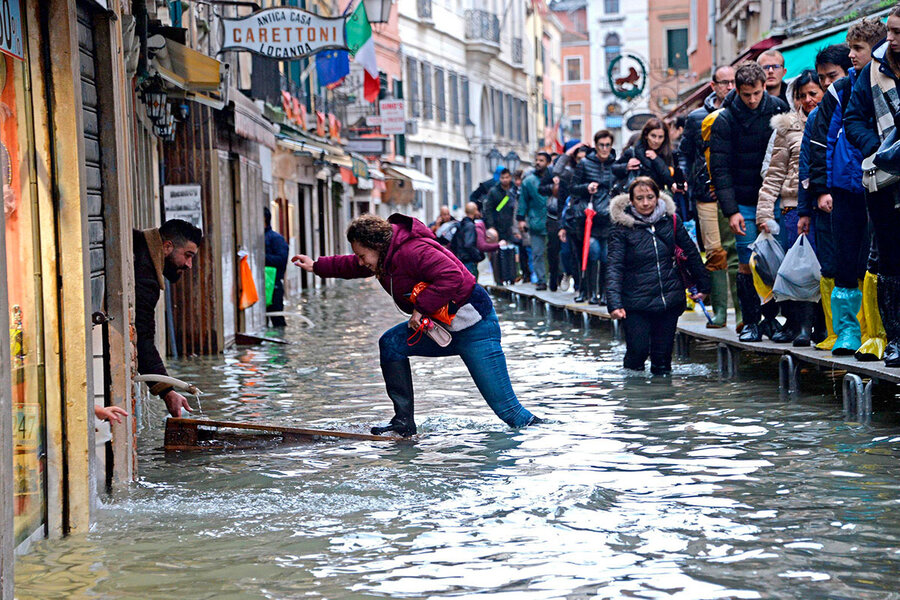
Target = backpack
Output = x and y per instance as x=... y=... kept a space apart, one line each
x=705 y=135
x=458 y=244
x=446 y=232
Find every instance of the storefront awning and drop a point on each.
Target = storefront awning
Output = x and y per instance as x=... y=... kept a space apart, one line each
x=299 y=146
x=420 y=181
x=185 y=68
x=249 y=122
x=801 y=53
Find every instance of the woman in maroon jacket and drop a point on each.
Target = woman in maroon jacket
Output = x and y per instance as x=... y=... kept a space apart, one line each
x=403 y=254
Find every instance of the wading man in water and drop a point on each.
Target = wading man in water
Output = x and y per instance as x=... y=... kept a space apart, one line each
x=425 y=280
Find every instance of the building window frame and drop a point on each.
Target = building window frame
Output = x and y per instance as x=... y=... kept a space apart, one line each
x=572 y=59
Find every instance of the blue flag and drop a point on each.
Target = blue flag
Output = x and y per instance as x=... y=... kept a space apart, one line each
x=332 y=66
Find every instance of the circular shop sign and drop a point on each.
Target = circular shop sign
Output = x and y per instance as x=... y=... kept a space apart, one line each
x=637 y=122
x=627 y=76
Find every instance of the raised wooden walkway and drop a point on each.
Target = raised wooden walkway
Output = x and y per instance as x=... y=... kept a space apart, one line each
x=858 y=379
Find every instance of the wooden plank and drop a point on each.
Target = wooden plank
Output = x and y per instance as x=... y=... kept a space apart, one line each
x=190 y=434
x=246 y=339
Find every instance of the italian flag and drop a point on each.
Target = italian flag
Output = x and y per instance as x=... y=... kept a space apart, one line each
x=362 y=48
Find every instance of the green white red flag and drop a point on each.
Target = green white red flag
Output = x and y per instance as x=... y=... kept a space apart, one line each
x=362 y=48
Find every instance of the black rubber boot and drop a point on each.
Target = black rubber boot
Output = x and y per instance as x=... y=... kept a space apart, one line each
x=889 y=307
x=398 y=381
x=598 y=283
x=806 y=314
x=791 y=327
x=749 y=301
x=769 y=326
x=587 y=282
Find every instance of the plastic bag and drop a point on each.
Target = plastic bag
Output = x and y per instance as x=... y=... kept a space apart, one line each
x=769 y=254
x=799 y=274
x=763 y=290
x=271 y=276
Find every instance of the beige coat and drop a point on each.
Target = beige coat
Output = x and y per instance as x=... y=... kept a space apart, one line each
x=782 y=177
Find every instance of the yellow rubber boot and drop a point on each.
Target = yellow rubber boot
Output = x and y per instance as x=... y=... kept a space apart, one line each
x=861 y=317
x=826 y=285
x=874 y=336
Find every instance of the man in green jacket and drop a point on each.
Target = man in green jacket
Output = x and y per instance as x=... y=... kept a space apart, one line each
x=532 y=216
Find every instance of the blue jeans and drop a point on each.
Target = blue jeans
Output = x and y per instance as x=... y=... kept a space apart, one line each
x=538 y=256
x=567 y=257
x=743 y=241
x=479 y=347
x=597 y=250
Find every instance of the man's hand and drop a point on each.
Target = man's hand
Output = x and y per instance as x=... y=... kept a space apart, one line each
x=736 y=222
x=415 y=319
x=175 y=402
x=562 y=235
x=110 y=413
x=803 y=226
x=698 y=297
x=650 y=154
x=556 y=179
x=593 y=187
x=762 y=226
x=633 y=164
x=826 y=203
x=304 y=262
x=617 y=314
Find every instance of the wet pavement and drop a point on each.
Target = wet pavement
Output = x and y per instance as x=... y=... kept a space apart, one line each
x=688 y=487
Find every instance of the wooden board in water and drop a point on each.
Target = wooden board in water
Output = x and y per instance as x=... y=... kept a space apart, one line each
x=205 y=434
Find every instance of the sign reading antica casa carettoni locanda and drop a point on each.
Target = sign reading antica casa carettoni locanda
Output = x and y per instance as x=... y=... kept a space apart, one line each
x=285 y=33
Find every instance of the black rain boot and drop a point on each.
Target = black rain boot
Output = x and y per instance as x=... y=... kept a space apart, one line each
x=398 y=381
x=791 y=327
x=587 y=282
x=598 y=284
x=889 y=307
x=806 y=314
x=749 y=301
x=769 y=326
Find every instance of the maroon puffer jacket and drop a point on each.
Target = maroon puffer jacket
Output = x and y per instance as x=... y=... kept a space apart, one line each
x=413 y=256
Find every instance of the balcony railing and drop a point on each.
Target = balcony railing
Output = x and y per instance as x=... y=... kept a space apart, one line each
x=424 y=9
x=482 y=26
x=517 y=50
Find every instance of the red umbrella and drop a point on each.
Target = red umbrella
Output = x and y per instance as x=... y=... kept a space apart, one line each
x=588 y=223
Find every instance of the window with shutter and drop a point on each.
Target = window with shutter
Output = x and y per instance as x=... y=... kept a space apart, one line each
x=442 y=181
x=457 y=187
x=509 y=116
x=467 y=177
x=465 y=99
x=439 y=95
x=412 y=76
x=454 y=99
x=427 y=99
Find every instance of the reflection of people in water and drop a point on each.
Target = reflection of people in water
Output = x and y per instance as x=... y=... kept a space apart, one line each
x=403 y=254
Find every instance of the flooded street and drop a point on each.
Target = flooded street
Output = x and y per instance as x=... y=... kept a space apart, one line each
x=688 y=487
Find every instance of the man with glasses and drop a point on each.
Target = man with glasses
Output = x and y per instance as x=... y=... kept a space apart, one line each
x=718 y=240
x=772 y=62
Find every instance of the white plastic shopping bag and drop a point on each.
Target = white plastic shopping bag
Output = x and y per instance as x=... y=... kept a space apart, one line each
x=799 y=274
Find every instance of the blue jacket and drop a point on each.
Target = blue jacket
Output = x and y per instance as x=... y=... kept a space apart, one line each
x=805 y=201
x=859 y=118
x=840 y=167
x=533 y=206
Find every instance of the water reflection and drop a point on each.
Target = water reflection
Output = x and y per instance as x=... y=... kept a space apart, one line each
x=637 y=487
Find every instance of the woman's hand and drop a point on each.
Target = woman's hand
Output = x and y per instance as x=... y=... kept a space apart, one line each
x=304 y=262
x=415 y=319
x=633 y=164
x=593 y=187
x=617 y=314
x=762 y=226
x=650 y=154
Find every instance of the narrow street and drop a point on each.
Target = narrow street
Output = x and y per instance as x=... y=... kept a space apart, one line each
x=682 y=487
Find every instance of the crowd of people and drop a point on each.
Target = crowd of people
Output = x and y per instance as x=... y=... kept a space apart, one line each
x=682 y=211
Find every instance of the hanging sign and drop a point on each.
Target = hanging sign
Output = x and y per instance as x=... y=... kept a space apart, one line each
x=184 y=202
x=393 y=117
x=11 y=29
x=284 y=33
x=627 y=76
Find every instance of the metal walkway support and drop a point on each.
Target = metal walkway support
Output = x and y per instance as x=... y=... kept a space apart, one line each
x=728 y=359
x=682 y=346
x=857 y=397
x=788 y=374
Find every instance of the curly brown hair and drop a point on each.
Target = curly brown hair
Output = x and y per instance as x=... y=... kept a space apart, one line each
x=870 y=31
x=373 y=232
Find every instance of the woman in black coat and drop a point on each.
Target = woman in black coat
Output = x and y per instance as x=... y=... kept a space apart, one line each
x=651 y=156
x=644 y=285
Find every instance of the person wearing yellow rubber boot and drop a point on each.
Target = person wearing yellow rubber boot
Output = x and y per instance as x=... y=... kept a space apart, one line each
x=874 y=336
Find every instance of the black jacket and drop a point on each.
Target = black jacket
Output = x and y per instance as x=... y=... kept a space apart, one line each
x=692 y=149
x=591 y=169
x=504 y=220
x=148 y=282
x=276 y=255
x=738 y=143
x=656 y=169
x=465 y=242
x=641 y=272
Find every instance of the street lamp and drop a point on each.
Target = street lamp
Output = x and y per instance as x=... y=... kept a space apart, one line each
x=512 y=161
x=155 y=98
x=469 y=129
x=495 y=159
x=378 y=11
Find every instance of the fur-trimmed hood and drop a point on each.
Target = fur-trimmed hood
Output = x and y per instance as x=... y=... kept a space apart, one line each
x=794 y=120
x=619 y=216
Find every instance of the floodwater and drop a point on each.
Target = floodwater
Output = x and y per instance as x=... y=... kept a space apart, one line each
x=688 y=487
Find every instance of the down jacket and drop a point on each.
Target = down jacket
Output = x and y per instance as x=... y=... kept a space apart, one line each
x=691 y=151
x=657 y=169
x=504 y=219
x=641 y=272
x=591 y=169
x=414 y=256
x=737 y=148
x=782 y=178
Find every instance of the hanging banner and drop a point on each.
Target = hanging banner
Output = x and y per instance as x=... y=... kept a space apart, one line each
x=284 y=33
x=11 y=29
x=184 y=202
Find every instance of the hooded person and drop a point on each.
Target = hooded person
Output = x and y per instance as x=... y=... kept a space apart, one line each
x=425 y=279
x=160 y=255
